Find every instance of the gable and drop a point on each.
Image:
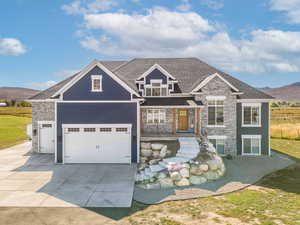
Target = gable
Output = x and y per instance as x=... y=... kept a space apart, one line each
x=156 y=75
x=82 y=89
x=221 y=83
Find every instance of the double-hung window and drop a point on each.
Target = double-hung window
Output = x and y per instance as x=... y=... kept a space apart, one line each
x=251 y=114
x=156 y=88
x=156 y=116
x=251 y=144
x=219 y=143
x=215 y=110
x=96 y=83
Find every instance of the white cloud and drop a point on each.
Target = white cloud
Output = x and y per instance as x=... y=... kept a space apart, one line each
x=164 y=33
x=66 y=73
x=290 y=7
x=213 y=4
x=90 y=6
x=41 y=85
x=184 y=6
x=11 y=46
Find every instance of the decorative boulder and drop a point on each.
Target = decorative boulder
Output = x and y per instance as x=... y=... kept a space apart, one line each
x=143 y=159
x=166 y=182
x=169 y=153
x=213 y=164
x=175 y=176
x=182 y=182
x=163 y=152
x=154 y=161
x=211 y=175
x=142 y=166
x=156 y=154
x=203 y=167
x=186 y=165
x=196 y=180
x=157 y=147
x=195 y=170
x=146 y=152
x=155 y=185
x=145 y=145
x=184 y=172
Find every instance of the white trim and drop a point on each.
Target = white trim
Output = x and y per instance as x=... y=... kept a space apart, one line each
x=96 y=125
x=260 y=112
x=172 y=107
x=254 y=100
x=215 y=98
x=42 y=100
x=216 y=137
x=251 y=137
x=88 y=69
x=160 y=112
x=161 y=86
x=155 y=66
x=55 y=132
x=209 y=78
x=216 y=126
x=96 y=77
x=138 y=139
x=128 y=101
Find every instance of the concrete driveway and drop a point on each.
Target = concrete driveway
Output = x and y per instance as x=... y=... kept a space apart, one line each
x=33 y=180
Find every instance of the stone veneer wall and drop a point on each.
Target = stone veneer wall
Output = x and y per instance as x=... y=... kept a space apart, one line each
x=41 y=111
x=217 y=87
x=165 y=128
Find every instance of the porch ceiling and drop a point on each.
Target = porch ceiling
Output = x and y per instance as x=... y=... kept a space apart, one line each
x=172 y=101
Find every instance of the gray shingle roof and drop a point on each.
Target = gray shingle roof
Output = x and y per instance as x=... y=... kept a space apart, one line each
x=188 y=71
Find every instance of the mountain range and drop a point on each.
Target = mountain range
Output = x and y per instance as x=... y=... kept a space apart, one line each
x=289 y=93
x=16 y=93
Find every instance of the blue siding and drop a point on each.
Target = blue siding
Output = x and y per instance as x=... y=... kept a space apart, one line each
x=97 y=113
x=156 y=74
x=263 y=130
x=112 y=90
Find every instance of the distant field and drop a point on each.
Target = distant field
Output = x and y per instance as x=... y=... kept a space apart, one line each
x=16 y=111
x=289 y=126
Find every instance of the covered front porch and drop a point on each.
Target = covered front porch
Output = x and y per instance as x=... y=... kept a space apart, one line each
x=170 y=118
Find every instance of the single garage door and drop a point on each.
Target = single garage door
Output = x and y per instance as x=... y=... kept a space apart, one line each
x=97 y=143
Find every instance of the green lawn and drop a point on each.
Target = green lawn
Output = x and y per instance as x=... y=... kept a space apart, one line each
x=12 y=130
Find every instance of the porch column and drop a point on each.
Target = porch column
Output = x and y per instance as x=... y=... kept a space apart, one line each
x=141 y=121
x=174 y=121
x=198 y=121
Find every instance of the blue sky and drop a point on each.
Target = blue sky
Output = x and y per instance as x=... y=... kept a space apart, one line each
x=42 y=42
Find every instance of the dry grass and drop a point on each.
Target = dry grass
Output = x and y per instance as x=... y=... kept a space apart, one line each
x=16 y=111
x=285 y=129
x=286 y=112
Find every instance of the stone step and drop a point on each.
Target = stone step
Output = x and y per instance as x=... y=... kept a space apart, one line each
x=175 y=160
x=186 y=155
x=157 y=168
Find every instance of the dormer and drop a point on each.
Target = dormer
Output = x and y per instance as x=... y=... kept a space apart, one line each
x=156 y=82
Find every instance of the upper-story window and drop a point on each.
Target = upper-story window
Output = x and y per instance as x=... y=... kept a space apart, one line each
x=96 y=83
x=251 y=114
x=155 y=88
x=215 y=106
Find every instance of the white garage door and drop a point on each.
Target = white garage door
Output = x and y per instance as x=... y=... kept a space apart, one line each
x=97 y=143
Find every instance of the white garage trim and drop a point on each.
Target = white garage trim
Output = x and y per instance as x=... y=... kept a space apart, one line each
x=114 y=129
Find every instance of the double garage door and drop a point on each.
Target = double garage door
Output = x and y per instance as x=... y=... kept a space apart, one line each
x=104 y=143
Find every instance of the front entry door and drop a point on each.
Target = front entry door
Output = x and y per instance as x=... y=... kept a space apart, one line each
x=183 y=118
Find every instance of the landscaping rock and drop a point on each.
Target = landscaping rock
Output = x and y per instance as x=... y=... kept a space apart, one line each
x=145 y=145
x=182 y=182
x=211 y=175
x=186 y=165
x=143 y=159
x=146 y=152
x=166 y=182
x=195 y=170
x=142 y=166
x=156 y=154
x=169 y=153
x=196 y=180
x=154 y=161
x=175 y=176
x=163 y=152
x=203 y=167
x=213 y=164
x=157 y=147
x=184 y=172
